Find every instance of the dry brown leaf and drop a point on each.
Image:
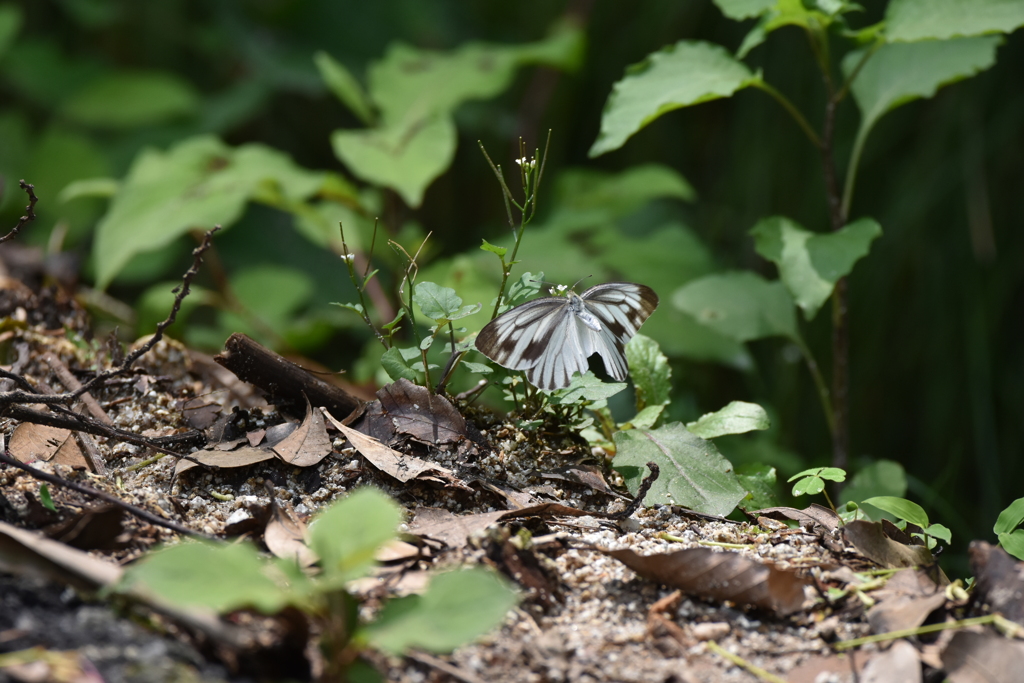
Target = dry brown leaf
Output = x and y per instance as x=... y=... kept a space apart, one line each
x=27 y=553
x=901 y=663
x=32 y=441
x=714 y=575
x=240 y=457
x=200 y=413
x=1000 y=580
x=870 y=541
x=983 y=658
x=94 y=528
x=905 y=602
x=586 y=475
x=400 y=466
x=308 y=444
x=453 y=530
x=423 y=415
x=811 y=670
x=285 y=536
x=813 y=515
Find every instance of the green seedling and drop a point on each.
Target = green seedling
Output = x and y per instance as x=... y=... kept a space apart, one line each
x=457 y=607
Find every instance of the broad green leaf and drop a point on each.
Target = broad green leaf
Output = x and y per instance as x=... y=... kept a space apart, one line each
x=880 y=478
x=759 y=481
x=586 y=387
x=406 y=157
x=620 y=193
x=646 y=418
x=744 y=9
x=1013 y=543
x=650 y=371
x=272 y=292
x=10 y=24
x=426 y=82
x=1010 y=518
x=693 y=473
x=197 y=184
x=436 y=302
x=736 y=418
x=811 y=263
x=739 y=305
x=396 y=366
x=457 y=607
x=680 y=75
x=202 y=574
x=93 y=187
x=938 y=531
x=130 y=99
x=910 y=20
x=901 y=508
x=811 y=482
x=902 y=72
x=346 y=535
x=345 y=86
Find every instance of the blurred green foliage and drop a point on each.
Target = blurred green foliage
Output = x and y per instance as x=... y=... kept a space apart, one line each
x=281 y=118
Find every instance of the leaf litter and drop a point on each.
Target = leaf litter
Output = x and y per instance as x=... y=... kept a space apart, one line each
x=492 y=496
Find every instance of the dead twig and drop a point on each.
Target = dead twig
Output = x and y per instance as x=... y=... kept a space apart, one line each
x=30 y=211
x=644 y=488
x=145 y=515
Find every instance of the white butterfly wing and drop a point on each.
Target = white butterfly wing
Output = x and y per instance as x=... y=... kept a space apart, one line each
x=545 y=338
x=517 y=338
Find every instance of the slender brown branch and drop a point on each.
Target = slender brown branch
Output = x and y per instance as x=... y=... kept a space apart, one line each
x=95 y=493
x=645 y=486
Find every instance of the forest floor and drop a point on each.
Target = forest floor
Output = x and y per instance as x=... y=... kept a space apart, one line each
x=746 y=601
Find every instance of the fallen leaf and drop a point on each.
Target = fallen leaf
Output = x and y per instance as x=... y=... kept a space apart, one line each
x=200 y=413
x=94 y=528
x=586 y=475
x=811 y=670
x=983 y=658
x=814 y=515
x=32 y=441
x=905 y=601
x=870 y=541
x=400 y=466
x=308 y=444
x=899 y=664
x=1000 y=580
x=714 y=575
x=445 y=527
x=240 y=457
x=417 y=412
x=285 y=536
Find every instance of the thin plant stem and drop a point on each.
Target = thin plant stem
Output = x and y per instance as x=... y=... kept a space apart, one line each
x=791 y=110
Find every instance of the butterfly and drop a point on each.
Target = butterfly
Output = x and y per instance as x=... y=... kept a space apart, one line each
x=552 y=337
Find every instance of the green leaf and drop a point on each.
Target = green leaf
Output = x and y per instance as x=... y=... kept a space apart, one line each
x=739 y=305
x=901 y=508
x=436 y=302
x=1013 y=543
x=10 y=24
x=830 y=473
x=810 y=263
x=347 y=534
x=425 y=82
x=458 y=607
x=646 y=418
x=345 y=86
x=586 y=387
x=197 y=184
x=487 y=246
x=131 y=99
x=406 y=156
x=938 y=531
x=910 y=20
x=1010 y=518
x=396 y=366
x=693 y=473
x=202 y=574
x=744 y=9
x=903 y=72
x=759 y=481
x=880 y=478
x=45 y=499
x=273 y=293
x=92 y=187
x=736 y=418
x=622 y=192
x=651 y=373
x=680 y=75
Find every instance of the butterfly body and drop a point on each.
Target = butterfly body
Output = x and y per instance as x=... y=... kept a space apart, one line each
x=552 y=337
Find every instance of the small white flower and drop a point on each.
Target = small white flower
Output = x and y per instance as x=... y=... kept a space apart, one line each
x=348 y=257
